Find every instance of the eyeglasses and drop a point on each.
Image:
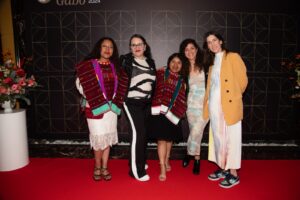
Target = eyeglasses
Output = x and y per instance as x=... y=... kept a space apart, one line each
x=137 y=45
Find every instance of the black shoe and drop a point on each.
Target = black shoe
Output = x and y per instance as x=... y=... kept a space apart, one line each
x=186 y=161
x=196 y=169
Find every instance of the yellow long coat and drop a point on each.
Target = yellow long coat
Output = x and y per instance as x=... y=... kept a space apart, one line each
x=233 y=84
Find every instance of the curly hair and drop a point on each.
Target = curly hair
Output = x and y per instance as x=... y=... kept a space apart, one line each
x=199 y=55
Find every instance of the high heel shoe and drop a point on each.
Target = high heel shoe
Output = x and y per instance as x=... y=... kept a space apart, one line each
x=196 y=168
x=185 y=161
x=162 y=175
x=105 y=174
x=168 y=166
x=97 y=174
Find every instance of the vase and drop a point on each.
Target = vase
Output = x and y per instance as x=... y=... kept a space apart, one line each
x=7 y=106
x=13 y=141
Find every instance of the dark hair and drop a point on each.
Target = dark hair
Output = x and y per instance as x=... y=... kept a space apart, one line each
x=95 y=53
x=208 y=56
x=199 y=55
x=184 y=69
x=147 y=52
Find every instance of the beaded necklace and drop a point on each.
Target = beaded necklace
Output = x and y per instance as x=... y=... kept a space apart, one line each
x=99 y=75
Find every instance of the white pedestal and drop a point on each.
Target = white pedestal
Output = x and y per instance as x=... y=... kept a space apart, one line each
x=13 y=140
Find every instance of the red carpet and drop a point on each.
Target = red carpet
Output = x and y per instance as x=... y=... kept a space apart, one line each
x=70 y=179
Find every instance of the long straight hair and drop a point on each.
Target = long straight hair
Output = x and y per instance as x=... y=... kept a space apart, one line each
x=208 y=56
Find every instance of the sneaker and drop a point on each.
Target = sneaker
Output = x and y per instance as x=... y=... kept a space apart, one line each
x=229 y=181
x=144 y=178
x=218 y=175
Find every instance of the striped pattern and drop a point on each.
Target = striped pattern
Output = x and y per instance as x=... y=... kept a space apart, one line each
x=142 y=79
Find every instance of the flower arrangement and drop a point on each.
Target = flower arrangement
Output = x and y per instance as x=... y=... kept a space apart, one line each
x=14 y=82
x=293 y=66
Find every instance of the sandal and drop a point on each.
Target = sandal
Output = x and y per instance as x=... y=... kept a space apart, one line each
x=105 y=174
x=97 y=176
x=162 y=175
x=168 y=167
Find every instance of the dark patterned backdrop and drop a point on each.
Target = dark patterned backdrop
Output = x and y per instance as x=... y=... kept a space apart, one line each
x=60 y=36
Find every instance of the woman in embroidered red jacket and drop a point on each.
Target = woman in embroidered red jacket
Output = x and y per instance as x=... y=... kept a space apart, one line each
x=103 y=95
x=168 y=108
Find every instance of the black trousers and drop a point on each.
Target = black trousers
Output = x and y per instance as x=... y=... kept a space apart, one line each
x=137 y=113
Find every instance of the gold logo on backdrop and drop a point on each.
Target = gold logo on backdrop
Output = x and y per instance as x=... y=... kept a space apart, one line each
x=71 y=2
x=44 y=1
x=76 y=2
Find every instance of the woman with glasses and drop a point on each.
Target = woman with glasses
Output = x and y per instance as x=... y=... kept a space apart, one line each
x=140 y=69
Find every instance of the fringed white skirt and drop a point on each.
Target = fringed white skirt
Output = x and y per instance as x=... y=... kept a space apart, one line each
x=103 y=132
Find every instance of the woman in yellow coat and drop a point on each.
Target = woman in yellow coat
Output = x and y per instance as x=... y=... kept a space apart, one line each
x=223 y=105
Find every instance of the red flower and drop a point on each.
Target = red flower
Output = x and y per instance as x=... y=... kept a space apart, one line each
x=20 y=72
x=22 y=82
x=14 y=82
x=31 y=82
x=8 y=81
x=15 y=87
x=3 y=90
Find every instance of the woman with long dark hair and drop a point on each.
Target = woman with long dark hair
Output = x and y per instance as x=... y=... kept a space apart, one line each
x=223 y=105
x=196 y=90
x=168 y=108
x=102 y=97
